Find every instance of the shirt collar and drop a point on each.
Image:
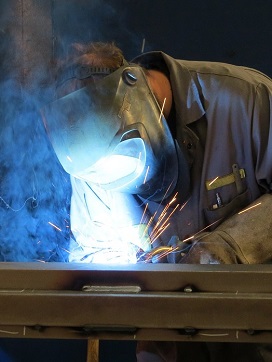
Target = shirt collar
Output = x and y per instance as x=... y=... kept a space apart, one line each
x=186 y=96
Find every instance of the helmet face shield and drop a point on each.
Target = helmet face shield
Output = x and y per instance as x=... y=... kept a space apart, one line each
x=122 y=166
x=112 y=133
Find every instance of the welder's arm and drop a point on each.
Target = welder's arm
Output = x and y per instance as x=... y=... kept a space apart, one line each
x=245 y=238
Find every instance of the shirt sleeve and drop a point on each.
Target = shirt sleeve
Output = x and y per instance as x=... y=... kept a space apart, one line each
x=246 y=237
x=262 y=135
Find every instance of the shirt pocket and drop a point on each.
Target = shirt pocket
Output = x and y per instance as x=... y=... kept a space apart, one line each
x=216 y=216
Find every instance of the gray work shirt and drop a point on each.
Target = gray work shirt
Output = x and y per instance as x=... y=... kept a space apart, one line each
x=222 y=125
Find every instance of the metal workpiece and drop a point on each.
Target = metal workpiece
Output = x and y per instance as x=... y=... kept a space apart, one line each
x=140 y=302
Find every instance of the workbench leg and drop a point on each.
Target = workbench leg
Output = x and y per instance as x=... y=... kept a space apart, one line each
x=93 y=350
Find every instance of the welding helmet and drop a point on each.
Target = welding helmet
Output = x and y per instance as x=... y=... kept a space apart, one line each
x=112 y=133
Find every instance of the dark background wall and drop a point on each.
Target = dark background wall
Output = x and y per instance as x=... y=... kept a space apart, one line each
x=34 y=190
x=230 y=31
x=34 y=32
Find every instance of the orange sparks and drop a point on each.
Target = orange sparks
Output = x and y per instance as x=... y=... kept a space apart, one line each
x=249 y=208
x=188 y=239
x=200 y=231
x=147 y=170
x=166 y=192
x=159 y=232
x=143 y=45
x=160 y=227
x=67 y=251
x=213 y=180
x=149 y=223
x=50 y=223
x=162 y=110
x=162 y=222
x=174 y=198
x=142 y=218
x=183 y=205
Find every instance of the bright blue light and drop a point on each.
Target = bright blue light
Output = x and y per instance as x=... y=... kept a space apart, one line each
x=120 y=246
x=110 y=230
x=121 y=167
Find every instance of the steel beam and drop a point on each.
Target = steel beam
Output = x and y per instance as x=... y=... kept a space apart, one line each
x=142 y=301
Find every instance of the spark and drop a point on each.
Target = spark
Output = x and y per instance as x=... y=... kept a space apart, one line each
x=142 y=218
x=69 y=159
x=67 y=251
x=183 y=205
x=159 y=232
x=163 y=213
x=172 y=212
x=166 y=192
x=147 y=170
x=213 y=180
x=149 y=223
x=162 y=110
x=200 y=231
x=170 y=249
x=174 y=198
x=249 y=208
x=160 y=227
x=163 y=251
x=143 y=45
x=50 y=223
x=163 y=220
x=189 y=238
x=154 y=226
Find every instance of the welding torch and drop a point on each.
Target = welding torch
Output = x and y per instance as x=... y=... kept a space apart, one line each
x=174 y=250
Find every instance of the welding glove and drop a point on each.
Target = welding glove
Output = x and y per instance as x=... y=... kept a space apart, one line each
x=212 y=248
x=244 y=238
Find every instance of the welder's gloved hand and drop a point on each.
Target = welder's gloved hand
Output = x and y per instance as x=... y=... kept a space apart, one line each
x=243 y=238
x=209 y=248
x=179 y=250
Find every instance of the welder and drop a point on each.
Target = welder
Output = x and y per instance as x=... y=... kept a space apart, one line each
x=187 y=139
